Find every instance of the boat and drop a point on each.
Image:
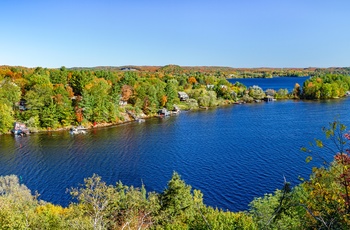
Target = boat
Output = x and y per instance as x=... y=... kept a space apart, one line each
x=78 y=130
x=176 y=110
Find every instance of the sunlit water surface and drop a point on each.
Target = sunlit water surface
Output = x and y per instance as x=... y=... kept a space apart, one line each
x=232 y=154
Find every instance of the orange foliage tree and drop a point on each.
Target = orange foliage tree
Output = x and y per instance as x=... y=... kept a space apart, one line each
x=192 y=80
x=127 y=92
x=79 y=114
x=164 y=100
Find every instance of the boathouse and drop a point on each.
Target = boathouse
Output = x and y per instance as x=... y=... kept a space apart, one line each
x=19 y=128
x=163 y=112
x=269 y=98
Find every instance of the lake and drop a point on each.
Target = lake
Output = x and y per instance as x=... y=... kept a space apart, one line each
x=232 y=154
x=275 y=83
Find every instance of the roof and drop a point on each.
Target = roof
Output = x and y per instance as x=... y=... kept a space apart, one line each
x=182 y=94
x=163 y=110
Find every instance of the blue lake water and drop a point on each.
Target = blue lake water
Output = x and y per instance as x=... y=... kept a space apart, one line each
x=232 y=154
x=275 y=83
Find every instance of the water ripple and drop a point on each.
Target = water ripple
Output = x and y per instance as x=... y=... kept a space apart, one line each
x=231 y=154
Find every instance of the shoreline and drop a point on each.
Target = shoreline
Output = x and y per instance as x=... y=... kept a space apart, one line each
x=129 y=119
x=90 y=126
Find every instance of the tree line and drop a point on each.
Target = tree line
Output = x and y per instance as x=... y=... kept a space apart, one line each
x=55 y=98
x=229 y=72
x=326 y=86
x=46 y=99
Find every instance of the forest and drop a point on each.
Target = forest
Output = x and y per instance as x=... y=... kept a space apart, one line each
x=51 y=99
x=320 y=202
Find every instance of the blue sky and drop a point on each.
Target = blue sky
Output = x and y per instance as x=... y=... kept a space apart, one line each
x=246 y=33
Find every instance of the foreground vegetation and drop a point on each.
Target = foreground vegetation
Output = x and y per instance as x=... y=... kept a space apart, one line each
x=321 y=202
x=49 y=99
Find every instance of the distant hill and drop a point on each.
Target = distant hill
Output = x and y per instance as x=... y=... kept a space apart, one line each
x=224 y=70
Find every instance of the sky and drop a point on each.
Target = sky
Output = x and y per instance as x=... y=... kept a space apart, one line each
x=240 y=34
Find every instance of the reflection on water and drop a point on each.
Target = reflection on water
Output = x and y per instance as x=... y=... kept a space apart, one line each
x=232 y=154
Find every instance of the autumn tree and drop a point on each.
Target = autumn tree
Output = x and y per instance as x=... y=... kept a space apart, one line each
x=326 y=86
x=146 y=97
x=192 y=80
x=328 y=190
x=127 y=92
x=296 y=91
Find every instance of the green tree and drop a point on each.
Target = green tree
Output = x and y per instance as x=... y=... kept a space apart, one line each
x=256 y=92
x=95 y=196
x=48 y=117
x=79 y=79
x=59 y=76
x=129 y=78
x=177 y=203
x=37 y=79
x=219 y=219
x=6 y=118
x=63 y=102
x=335 y=91
x=16 y=203
x=326 y=91
x=171 y=93
x=282 y=94
x=39 y=96
x=97 y=101
x=153 y=103
x=277 y=211
x=39 y=102
x=10 y=93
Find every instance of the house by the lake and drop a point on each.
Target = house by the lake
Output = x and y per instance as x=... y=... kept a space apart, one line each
x=210 y=86
x=22 y=105
x=183 y=96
